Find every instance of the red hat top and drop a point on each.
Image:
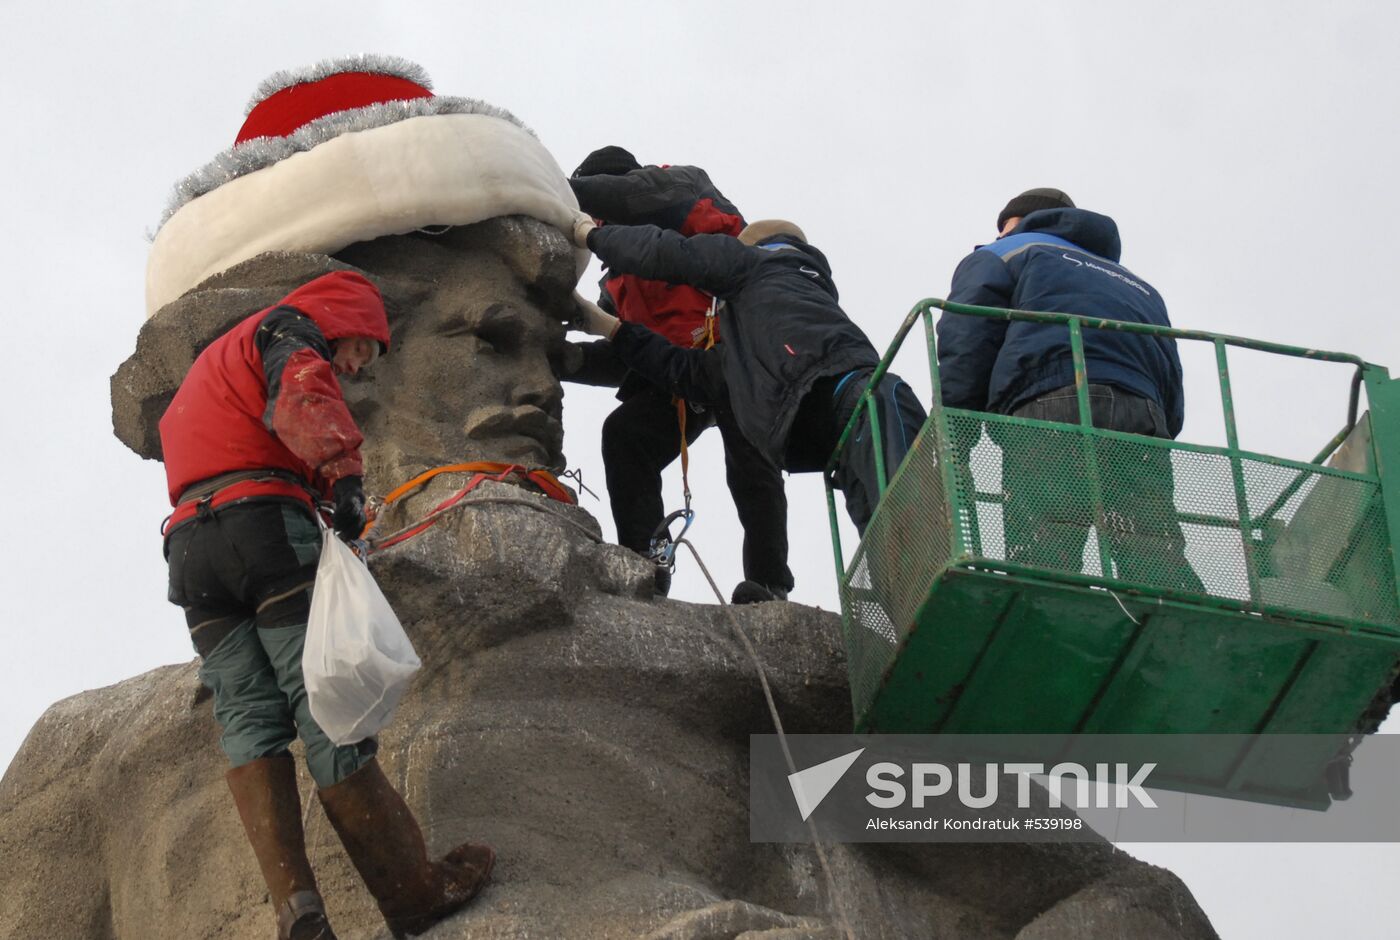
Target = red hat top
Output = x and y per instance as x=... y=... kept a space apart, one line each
x=296 y=110
x=288 y=101
x=352 y=125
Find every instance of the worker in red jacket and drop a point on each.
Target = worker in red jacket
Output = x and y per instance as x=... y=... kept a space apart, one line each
x=643 y=435
x=256 y=435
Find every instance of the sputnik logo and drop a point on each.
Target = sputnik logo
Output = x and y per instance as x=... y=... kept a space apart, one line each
x=810 y=786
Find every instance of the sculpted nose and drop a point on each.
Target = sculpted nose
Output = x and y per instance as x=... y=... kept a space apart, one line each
x=541 y=389
x=537 y=385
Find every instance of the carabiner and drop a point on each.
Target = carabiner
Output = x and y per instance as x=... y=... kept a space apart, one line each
x=663 y=544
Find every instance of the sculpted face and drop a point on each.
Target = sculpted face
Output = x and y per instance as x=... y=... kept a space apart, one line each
x=474 y=313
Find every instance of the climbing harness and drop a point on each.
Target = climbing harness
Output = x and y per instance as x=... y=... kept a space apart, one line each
x=836 y=903
x=482 y=471
x=711 y=334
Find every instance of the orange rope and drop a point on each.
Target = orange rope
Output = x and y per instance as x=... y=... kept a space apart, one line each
x=685 y=451
x=483 y=470
x=708 y=338
x=541 y=478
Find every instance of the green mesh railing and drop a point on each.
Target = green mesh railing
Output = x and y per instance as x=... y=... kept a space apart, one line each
x=1219 y=527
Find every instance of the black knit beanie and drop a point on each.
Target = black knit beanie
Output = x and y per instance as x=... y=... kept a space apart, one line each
x=609 y=161
x=1033 y=199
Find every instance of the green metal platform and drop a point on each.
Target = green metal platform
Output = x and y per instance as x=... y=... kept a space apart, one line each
x=1024 y=576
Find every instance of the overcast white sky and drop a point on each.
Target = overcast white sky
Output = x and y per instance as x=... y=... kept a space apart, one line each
x=1247 y=152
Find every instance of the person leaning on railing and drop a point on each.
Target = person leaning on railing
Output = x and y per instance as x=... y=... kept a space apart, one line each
x=1050 y=255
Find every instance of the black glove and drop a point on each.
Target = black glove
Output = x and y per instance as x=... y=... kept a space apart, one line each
x=349 y=517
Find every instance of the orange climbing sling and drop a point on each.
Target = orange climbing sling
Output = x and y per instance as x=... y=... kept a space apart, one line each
x=481 y=471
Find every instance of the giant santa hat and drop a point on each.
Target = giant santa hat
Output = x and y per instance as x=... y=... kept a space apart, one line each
x=346 y=151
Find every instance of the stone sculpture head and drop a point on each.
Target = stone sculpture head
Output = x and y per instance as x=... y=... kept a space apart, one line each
x=451 y=206
x=477 y=317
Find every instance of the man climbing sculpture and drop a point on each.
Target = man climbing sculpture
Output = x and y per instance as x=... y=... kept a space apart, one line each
x=255 y=435
x=259 y=430
x=644 y=434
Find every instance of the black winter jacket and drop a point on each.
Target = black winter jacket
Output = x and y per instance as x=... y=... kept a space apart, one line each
x=682 y=198
x=667 y=197
x=1063 y=261
x=782 y=326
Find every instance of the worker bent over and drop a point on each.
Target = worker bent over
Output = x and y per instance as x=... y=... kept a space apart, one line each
x=792 y=366
x=644 y=434
x=256 y=434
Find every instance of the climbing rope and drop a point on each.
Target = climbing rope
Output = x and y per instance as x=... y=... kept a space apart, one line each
x=840 y=908
x=662 y=549
x=707 y=342
x=481 y=470
x=681 y=409
x=486 y=470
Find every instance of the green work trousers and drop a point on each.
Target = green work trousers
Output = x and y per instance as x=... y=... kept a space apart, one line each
x=243 y=575
x=260 y=702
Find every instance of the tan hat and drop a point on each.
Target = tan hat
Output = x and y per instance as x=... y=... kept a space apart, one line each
x=756 y=232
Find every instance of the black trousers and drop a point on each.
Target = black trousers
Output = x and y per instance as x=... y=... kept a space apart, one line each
x=254 y=560
x=642 y=437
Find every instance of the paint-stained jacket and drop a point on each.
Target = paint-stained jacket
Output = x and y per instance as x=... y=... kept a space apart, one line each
x=1063 y=261
x=264 y=397
x=783 y=328
x=680 y=198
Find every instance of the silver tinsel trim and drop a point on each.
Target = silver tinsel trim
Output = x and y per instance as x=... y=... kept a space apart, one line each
x=260 y=152
x=369 y=62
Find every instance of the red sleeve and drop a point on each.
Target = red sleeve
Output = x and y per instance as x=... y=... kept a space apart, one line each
x=310 y=417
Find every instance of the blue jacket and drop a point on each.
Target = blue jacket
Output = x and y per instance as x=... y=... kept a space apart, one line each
x=1063 y=261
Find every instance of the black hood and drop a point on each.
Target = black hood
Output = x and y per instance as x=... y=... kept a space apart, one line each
x=1089 y=230
x=814 y=256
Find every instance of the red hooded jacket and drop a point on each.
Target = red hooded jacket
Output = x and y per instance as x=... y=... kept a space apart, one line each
x=223 y=418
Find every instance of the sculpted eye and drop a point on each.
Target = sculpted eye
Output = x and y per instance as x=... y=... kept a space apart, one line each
x=456 y=326
x=500 y=328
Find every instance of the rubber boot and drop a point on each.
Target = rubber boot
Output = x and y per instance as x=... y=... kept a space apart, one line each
x=386 y=846
x=265 y=792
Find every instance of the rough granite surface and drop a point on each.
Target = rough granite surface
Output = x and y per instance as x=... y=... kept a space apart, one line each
x=597 y=736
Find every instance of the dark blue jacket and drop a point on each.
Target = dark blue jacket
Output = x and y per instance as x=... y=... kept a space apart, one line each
x=1063 y=261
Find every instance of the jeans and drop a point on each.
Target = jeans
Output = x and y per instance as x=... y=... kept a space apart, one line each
x=824 y=413
x=244 y=576
x=1048 y=513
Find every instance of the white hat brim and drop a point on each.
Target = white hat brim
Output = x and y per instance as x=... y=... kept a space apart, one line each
x=441 y=169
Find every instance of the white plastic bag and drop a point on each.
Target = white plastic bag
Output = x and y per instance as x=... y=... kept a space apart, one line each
x=358 y=661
